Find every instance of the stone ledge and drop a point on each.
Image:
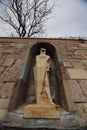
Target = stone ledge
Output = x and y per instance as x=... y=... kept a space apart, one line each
x=67 y=120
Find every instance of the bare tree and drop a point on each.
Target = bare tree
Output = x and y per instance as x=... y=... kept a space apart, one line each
x=27 y=17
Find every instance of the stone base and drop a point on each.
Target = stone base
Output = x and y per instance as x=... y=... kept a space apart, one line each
x=42 y=111
x=15 y=120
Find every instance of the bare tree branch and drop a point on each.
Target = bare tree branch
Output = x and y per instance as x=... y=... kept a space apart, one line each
x=26 y=17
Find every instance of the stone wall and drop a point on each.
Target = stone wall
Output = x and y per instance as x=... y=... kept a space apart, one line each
x=72 y=56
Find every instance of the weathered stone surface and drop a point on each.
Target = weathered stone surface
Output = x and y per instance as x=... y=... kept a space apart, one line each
x=64 y=73
x=83 y=85
x=1 y=85
x=13 y=44
x=3 y=113
x=67 y=64
x=83 y=45
x=6 y=49
x=10 y=73
x=46 y=111
x=19 y=46
x=8 y=62
x=1 y=61
x=63 y=58
x=67 y=121
x=68 y=50
x=6 y=90
x=78 y=65
x=1 y=69
x=84 y=56
x=68 y=96
x=0 y=55
x=82 y=113
x=4 y=103
x=77 y=92
x=77 y=73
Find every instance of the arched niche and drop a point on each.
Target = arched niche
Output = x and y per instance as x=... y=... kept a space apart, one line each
x=54 y=84
x=25 y=89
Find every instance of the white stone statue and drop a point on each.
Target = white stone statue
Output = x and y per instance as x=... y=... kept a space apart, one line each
x=44 y=107
x=43 y=64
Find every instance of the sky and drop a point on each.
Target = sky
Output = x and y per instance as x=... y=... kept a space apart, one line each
x=69 y=19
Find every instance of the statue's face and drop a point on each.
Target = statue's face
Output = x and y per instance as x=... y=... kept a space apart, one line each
x=43 y=51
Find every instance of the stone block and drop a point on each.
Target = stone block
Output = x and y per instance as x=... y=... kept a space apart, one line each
x=67 y=64
x=6 y=90
x=82 y=113
x=19 y=46
x=63 y=58
x=4 y=103
x=78 y=65
x=1 y=85
x=3 y=113
x=13 y=44
x=0 y=55
x=83 y=45
x=8 y=62
x=10 y=73
x=83 y=85
x=68 y=96
x=77 y=92
x=84 y=56
x=77 y=73
x=1 y=69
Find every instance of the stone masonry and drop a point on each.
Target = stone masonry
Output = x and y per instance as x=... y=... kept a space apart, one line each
x=73 y=66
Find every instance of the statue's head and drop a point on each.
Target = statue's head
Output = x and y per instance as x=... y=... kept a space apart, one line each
x=43 y=51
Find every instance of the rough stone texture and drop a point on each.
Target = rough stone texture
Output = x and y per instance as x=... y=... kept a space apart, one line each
x=19 y=46
x=83 y=85
x=82 y=113
x=77 y=92
x=1 y=69
x=77 y=73
x=10 y=74
x=1 y=85
x=71 y=53
x=8 y=62
x=78 y=65
x=67 y=64
x=3 y=113
x=4 y=103
x=67 y=121
x=6 y=49
x=64 y=73
x=6 y=90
